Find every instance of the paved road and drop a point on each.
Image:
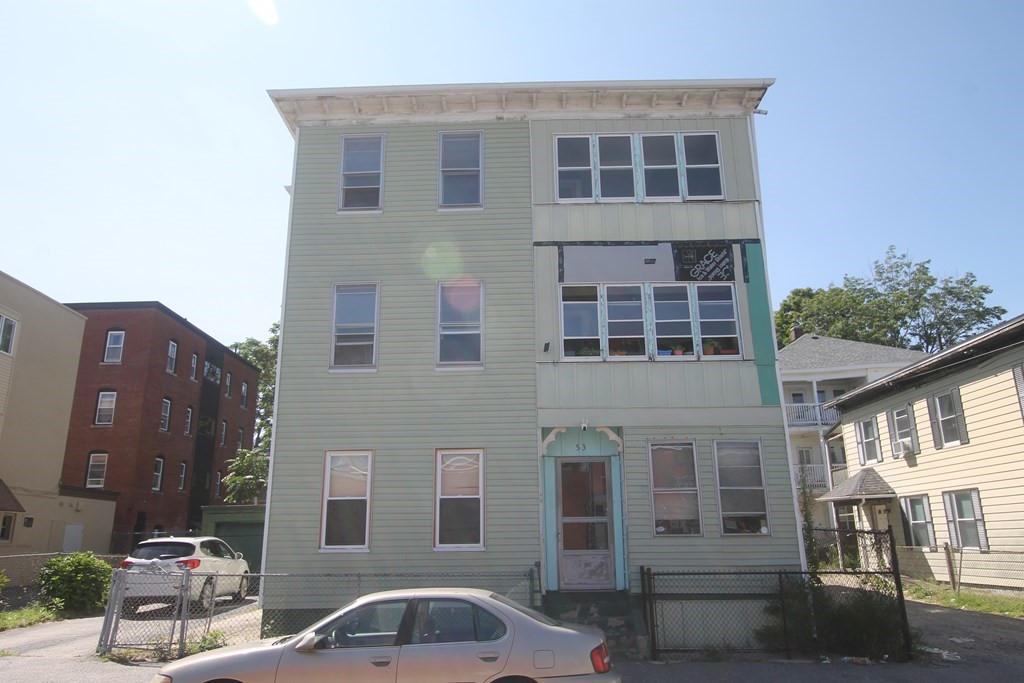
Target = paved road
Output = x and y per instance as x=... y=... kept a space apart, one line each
x=985 y=647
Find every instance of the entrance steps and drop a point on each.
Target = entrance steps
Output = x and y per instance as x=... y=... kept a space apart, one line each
x=617 y=613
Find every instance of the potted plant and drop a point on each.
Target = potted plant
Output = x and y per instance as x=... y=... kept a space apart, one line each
x=711 y=346
x=588 y=351
x=679 y=350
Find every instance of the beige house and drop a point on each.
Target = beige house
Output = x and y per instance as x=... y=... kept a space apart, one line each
x=815 y=369
x=40 y=341
x=936 y=451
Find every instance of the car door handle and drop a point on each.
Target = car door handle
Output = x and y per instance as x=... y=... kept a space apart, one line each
x=380 y=661
x=488 y=656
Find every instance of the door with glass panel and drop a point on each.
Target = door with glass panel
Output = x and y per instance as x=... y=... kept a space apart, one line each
x=585 y=553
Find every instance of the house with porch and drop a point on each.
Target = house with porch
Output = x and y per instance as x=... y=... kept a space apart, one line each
x=938 y=449
x=816 y=369
x=527 y=324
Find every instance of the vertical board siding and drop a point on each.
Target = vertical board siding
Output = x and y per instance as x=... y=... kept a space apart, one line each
x=406 y=409
x=991 y=461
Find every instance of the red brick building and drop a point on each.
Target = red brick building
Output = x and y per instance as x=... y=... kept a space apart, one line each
x=159 y=409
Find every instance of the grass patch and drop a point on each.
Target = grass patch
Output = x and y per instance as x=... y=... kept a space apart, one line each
x=133 y=656
x=26 y=616
x=968 y=599
x=8 y=653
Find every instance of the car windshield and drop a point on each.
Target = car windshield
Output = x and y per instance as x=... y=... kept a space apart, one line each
x=163 y=551
x=533 y=614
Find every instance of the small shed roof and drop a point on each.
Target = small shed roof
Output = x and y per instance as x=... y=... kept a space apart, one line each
x=866 y=484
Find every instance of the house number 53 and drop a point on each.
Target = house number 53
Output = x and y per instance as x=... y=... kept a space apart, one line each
x=580 y=447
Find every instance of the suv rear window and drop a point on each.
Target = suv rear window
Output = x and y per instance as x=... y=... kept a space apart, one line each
x=163 y=551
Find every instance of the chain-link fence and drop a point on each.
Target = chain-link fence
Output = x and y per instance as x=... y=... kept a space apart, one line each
x=176 y=613
x=22 y=572
x=990 y=569
x=852 y=611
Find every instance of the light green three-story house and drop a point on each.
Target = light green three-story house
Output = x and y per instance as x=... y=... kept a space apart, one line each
x=528 y=323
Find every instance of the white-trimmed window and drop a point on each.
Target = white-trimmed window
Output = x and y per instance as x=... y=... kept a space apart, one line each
x=638 y=167
x=362 y=172
x=227 y=384
x=946 y=413
x=917 y=521
x=741 y=490
x=115 y=346
x=460 y=323
x=165 y=415
x=7 y=526
x=355 y=326
x=223 y=432
x=965 y=520
x=461 y=169
x=458 y=517
x=615 y=167
x=194 y=371
x=674 y=490
x=241 y=435
x=188 y=420
x=97 y=472
x=649 y=321
x=346 y=513
x=182 y=471
x=244 y=395
x=903 y=431
x=106 y=401
x=216 y=483
x=158 y=474
x=869 y=446
x=7 y=326
x=172 y=356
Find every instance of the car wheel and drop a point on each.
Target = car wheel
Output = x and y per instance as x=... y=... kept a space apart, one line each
x=243 y=589
x=205 y=600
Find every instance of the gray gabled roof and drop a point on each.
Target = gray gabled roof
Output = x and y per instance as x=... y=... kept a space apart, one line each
x=815 y=351
x=8 y=502
x=865 y=484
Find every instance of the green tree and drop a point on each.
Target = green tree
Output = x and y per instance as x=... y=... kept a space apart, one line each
x=246 y=480
x=902 y=304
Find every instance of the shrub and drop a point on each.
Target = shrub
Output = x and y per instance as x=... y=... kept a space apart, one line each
x=75 y=583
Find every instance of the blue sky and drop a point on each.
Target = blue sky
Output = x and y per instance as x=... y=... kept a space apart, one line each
x=134 y=128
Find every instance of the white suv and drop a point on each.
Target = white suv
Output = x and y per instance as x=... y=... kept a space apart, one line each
x=155 y=571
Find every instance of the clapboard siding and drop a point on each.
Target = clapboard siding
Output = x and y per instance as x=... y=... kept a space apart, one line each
x=406 y=409
x=991 y=462
x=712 y=549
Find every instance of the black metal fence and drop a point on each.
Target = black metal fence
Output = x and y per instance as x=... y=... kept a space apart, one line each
x=857 y=610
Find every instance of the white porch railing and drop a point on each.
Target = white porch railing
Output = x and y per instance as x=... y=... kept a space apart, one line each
x=811 y=476
x=810 y=415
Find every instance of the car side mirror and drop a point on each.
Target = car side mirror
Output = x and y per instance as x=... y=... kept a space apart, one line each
x=308 y=642
x=238 y=556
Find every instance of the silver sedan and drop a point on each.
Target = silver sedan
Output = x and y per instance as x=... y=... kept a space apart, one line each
x=414 y=636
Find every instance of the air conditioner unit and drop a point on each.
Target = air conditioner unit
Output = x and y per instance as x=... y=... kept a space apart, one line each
x=902 y=447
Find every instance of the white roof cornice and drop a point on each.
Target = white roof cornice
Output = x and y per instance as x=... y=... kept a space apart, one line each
x=321 y=107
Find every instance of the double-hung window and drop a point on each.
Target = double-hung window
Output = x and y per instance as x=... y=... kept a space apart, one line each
x=227 y=385
x=114 y=347
x=105 y=403
x=869 y=446
x=244 y=395
x=97 y=472
x=649 y=321
x=946 y=413
x=188 y=420
x=917 y=521
x=460 y=323
x=964 y=519
x=459 y=512
x=902 y=431
x=172 y=356
x=216 y=483
x=165 y=415
x=674 y=491
x=182 y=471
x=195 y=366
x=346 y=513
x=362 y=166
x=638 y=167
x=461 y=170
x=7 y=326
x=158 y=474
x=241 y=436
x=741 y=490
x=355 y=326
x=7 y=526
x=223 y=432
